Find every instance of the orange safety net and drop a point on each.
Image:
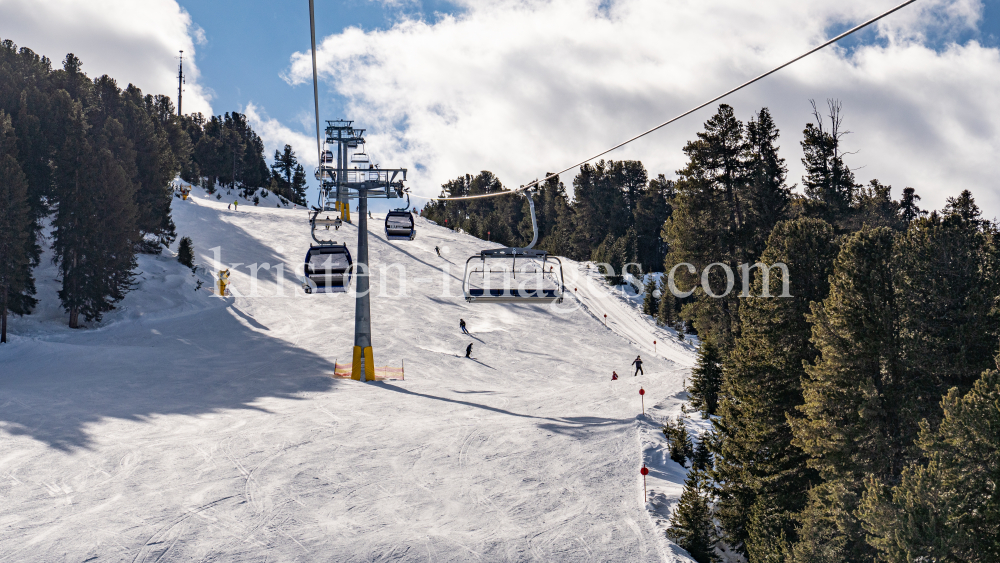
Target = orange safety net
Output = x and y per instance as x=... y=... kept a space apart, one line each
x=382 y=373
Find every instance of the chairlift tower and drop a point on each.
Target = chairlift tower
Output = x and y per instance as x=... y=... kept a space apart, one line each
x=355 y=177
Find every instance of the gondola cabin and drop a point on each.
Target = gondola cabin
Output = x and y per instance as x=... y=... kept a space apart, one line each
x=399 y=226
x=328 y=268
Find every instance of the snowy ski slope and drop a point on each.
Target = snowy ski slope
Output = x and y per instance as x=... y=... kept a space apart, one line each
x=188 y=427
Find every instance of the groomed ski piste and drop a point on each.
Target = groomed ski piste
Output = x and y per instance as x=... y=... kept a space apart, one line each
x=191 y=427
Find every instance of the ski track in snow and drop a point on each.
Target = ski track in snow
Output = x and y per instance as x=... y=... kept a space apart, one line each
x=188 y=427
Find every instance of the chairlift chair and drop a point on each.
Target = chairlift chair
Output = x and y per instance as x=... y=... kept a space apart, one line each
x=328 y=265
x=514 y=275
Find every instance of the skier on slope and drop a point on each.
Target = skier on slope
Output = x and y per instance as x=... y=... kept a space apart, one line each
x=236 y=205
x=614 y=376
x=438 y=250
x=638 y=366
x=461 y=323
x=468 y=351
x=229 y=207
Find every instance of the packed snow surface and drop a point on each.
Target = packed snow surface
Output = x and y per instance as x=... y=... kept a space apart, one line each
x=191 y=427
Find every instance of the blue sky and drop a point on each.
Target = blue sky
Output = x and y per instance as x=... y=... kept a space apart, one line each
x=249 y=44
x=521 y=87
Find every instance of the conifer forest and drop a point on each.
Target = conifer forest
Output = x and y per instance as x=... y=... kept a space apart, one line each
x=856 y=420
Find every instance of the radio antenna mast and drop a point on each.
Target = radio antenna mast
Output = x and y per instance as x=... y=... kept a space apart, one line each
x=180 y=84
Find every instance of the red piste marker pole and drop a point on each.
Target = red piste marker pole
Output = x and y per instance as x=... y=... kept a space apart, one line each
x=643 y=399
x=654 y=346
x=605 y=319
x=644 y=472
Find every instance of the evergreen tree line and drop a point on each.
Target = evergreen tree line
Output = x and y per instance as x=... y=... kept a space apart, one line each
x=96 y=161
x=856 y=420
x=614 y=216
x=225 y=151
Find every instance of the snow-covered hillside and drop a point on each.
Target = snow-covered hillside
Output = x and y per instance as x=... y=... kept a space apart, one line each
x=189 y=427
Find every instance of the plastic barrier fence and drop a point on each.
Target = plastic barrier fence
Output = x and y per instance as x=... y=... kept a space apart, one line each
x=382 y=373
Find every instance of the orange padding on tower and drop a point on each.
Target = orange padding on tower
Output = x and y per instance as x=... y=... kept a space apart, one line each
x=384 y=373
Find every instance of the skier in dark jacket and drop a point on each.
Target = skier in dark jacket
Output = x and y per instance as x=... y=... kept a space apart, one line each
x=638 y=366
x=468 y=351
x=461 y=323
x=438 y=250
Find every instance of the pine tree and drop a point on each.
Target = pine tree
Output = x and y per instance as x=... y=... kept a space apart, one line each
x=299 y=185
x=908 y=210
x=829 y=183
x=666 y=312
x=95 y=228
x=767 y=196
x=651 y=212
x=185 y=252
x=16 y=232
x=706 y=379
x=691 y=524
x=852 y=394
x=650 y=303
x=678 y=441
x=946 y=509
x=708 y=223
x=948 y=277
x=702 y=460
x=758 y=470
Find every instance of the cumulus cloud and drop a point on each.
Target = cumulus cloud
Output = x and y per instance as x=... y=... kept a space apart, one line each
x=130 y=41
x=276 y=136
x=521 y=87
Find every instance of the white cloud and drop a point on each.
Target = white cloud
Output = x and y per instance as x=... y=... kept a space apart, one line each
x=276 y=136
x=130 y=41
x=522 y=87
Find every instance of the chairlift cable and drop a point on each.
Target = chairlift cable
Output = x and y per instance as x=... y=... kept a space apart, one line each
x=685 y=114
x=312 y=37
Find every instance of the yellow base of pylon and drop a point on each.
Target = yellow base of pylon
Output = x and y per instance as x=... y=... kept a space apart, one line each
x=369 y=364
x=345 y=211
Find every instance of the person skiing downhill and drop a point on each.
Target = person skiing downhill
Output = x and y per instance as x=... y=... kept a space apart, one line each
x=438 y=250
x=468 y=351
x=614 y=376
x=638 y=366
x=461 y=323
x=236 y=205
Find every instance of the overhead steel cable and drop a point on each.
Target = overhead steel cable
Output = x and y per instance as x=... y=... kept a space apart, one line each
x=312 y=37
x=688 y=112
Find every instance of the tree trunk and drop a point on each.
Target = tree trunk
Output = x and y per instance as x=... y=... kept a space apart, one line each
x=3 y=318
x=74 y=318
